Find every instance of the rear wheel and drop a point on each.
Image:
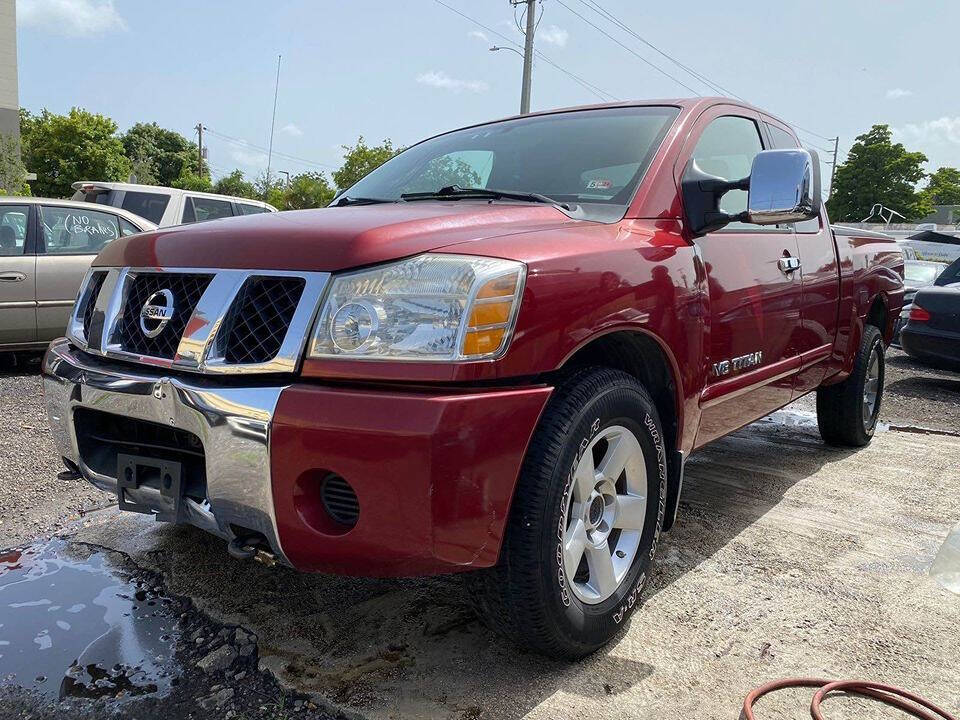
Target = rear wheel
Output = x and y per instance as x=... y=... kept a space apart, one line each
x=847 y=412
x=585 y=521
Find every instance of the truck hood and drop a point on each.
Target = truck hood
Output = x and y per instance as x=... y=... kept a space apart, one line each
x=329 y=239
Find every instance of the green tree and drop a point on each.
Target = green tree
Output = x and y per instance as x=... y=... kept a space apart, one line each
x=62 y=149
x=169 y=153
x=12 y=171
x=360 y=159
x=235 y=184
x=269 y=190
x=191 y=181
x=443 y=171
x=944 y=187
x=307 y=190
x=878 y=170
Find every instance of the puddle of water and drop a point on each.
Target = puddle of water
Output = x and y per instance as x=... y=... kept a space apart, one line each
x=804 y=419
x=78 y=627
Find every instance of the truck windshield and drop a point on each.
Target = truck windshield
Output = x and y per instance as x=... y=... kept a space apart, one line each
x=593 y=159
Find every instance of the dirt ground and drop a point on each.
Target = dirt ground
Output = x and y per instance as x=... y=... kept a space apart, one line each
x=788 y=558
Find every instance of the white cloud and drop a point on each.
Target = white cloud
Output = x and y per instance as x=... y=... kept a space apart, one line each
x=72 y=18
x=554 y=35
x=250 y=159
x=942 y=131
x=479 y=35
x=439 y=79
x=291 y=130
x=897 y=93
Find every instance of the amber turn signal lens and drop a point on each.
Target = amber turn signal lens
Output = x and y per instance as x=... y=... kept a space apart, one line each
x=504 y=286
x=481 y=342
x=490 y=314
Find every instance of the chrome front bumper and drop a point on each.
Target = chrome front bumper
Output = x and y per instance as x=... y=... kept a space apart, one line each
x=233 y=424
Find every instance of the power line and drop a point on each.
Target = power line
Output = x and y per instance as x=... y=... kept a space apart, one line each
x=629 y=49
x=715 y=86
x=253 y=146
x=596 y=90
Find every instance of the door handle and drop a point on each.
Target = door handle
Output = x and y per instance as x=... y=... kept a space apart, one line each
x=12 y=277
x=789 y=264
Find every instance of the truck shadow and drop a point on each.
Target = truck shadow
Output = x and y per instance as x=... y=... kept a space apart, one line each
x=20 y=364
x=414 y=645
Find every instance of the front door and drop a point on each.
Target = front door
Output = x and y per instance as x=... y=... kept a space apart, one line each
x=18 y=292
x=754 y=305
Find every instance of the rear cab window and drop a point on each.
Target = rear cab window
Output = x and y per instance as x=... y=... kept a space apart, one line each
x=13 y=229
x=76 y=231
x=782 y=140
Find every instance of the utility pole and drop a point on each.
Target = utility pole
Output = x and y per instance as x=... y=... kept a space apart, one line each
x=273 y=121
x=833 y=168
x=199 y=129
x=527 y=54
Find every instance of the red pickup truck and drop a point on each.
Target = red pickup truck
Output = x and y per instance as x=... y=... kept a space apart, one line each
x=492 y=354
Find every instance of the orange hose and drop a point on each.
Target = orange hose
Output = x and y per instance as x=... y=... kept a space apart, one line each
x=886 y=694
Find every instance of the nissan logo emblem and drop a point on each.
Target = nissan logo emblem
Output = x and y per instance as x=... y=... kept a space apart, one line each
x=156 y=312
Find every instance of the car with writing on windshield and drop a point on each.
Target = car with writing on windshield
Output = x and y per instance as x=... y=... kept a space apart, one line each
x=46 y=247
x=491 y=356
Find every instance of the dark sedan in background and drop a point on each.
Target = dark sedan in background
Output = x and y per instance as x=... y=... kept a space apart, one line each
x=932 y=329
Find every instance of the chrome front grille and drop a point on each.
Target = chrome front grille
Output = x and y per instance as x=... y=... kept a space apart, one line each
x=198 y=320
x=186 y=288
x=259 y=319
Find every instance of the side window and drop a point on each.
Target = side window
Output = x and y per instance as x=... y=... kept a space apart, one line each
x=76 y=231
x=145 y=204
x=128 y=228
x=13 y=229
x=726 y=149
x=466 y=168
x=198 y=209
x=248 y=209
x=782 y=140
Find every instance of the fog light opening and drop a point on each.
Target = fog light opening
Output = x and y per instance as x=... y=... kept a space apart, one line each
x=339 y=500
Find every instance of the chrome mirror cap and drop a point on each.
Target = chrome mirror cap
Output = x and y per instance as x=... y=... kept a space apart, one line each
x=784 y=187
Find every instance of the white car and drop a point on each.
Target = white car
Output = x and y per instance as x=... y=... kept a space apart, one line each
x=46 y=247
x=165 y=205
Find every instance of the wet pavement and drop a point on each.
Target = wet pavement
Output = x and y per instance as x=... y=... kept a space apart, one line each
x=74 y=626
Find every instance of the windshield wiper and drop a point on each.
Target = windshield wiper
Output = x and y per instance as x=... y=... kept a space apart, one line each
x=344 y=201
x=455 y=192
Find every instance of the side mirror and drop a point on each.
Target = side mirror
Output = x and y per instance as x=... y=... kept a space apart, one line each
x=784 y=187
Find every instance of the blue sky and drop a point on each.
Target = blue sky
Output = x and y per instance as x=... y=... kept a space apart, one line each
x=405 y=70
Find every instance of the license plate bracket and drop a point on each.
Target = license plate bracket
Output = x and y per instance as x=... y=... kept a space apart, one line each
x=162 y=477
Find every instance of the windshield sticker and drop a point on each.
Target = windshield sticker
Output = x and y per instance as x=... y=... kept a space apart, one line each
x=599 y=184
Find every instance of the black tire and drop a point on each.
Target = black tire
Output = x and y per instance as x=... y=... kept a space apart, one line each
x=526 y=597
x=840 y=413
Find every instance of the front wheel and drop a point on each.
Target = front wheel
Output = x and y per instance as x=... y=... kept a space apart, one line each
x=586 y=517
x=847 y=412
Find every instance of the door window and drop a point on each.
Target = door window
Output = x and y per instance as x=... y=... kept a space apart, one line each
x=248 y=209
x=726 y=149
x=145 y=204
x=199 y=209
x=128 y=228
x=782 y=140
x=13 y=229
x=76 y=231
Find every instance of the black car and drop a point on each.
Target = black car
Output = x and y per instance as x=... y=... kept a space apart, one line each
x=917 y=274
x=932 y=330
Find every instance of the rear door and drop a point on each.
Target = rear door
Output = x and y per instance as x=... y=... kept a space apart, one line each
x=70 y=238
x=820 y=276
x=18 y=264
x=754 y=307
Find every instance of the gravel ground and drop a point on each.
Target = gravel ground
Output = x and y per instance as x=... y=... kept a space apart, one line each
x=712 y=540
x=33 y=501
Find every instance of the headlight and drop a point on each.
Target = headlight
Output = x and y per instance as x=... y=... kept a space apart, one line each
x=431 y=307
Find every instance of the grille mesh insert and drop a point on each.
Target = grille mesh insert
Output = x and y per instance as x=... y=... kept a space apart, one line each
x=260 y=317
x=186 y=288
x=93 y=290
